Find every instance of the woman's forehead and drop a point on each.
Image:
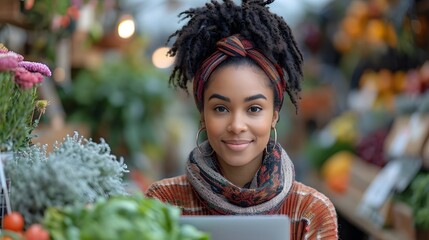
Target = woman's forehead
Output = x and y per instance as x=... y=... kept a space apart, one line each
x=239 y=80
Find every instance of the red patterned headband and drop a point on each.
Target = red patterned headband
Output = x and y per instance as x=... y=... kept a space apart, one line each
x=235 y=46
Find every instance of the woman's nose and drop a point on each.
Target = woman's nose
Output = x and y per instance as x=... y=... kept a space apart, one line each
x=237 y=124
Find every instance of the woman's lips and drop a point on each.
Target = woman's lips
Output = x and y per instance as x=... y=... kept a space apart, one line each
x=237 y=145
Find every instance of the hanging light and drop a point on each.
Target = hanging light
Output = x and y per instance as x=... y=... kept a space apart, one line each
x=126 y=26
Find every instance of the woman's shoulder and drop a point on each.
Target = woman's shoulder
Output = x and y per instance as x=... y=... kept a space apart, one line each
x=177 y=191
x=167 y=184
x=305 y=203
x=304 y=191
x=310 y=201
x=170 y=189
x=179 y=180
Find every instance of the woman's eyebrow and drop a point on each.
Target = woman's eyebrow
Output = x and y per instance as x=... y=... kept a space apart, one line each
x=254 y=97
x=247 y=99
x=215 y=95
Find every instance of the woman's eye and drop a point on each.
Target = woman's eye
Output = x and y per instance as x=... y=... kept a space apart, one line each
x=255 y=109
x=220 y=109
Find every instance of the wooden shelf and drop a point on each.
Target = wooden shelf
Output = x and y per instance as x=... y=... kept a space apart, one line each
x=346 y=204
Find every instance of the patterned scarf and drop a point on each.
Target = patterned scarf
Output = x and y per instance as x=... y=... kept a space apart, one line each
x=263 y=195
x=237 y=46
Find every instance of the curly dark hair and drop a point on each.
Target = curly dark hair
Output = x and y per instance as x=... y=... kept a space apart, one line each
x=196 y=40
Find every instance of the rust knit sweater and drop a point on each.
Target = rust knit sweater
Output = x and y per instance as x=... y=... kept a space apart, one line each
x=311 y=213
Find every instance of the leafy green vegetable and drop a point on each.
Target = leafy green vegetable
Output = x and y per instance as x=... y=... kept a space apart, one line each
x=417 y=197
x=120 y=217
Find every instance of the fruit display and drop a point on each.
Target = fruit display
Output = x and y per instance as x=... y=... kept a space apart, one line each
x=365 y=27
x=388 y=84
x=379 y=49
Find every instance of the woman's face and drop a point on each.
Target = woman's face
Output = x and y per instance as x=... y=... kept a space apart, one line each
x=239 y=114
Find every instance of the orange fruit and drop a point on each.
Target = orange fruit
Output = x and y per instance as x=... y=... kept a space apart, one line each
x=375 y=31
x=336 y=170
x=352 y=26
x=338 y=183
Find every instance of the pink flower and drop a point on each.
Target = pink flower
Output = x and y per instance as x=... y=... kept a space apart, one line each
x=19 y=57
x=36 y=67
x=26 y=79
x=9 y=60
x=11 y=54
x=26 y=73
x=8 y=63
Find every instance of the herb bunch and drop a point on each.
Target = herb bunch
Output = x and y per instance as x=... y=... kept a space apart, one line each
x=78 y=170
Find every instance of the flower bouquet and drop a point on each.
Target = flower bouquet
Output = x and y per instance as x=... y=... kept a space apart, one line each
x=19 y=80
x=18 y=91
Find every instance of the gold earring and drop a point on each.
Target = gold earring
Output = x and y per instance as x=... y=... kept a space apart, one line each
x=198 y=144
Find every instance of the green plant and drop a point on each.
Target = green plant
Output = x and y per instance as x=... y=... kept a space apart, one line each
x=123 y=101
x=15 y=112
x=417 y=197
x=76 y=171
x=120 y=217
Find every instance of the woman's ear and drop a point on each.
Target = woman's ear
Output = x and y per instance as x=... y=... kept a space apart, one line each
x=275 y=118
x=202 y=122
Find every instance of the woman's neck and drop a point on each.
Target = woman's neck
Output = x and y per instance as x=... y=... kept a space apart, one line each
x=240 y=175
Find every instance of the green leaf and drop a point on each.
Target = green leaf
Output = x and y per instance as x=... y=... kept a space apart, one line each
x=120 y=217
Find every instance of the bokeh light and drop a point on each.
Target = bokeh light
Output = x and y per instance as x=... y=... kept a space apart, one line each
x=126 y=27
x=160 y=58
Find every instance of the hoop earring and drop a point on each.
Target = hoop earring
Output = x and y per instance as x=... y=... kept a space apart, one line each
x=275 y=141
x=275 y=136
x=198 y=144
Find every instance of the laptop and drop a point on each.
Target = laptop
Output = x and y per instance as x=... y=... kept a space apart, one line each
x=252 y=227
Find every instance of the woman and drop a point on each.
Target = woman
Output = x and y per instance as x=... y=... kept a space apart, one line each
x=241 y=59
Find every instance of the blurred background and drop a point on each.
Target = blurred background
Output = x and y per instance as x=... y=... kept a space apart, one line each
x=363 y=109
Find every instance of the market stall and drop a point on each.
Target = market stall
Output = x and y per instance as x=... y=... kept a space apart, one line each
x=371 y=155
